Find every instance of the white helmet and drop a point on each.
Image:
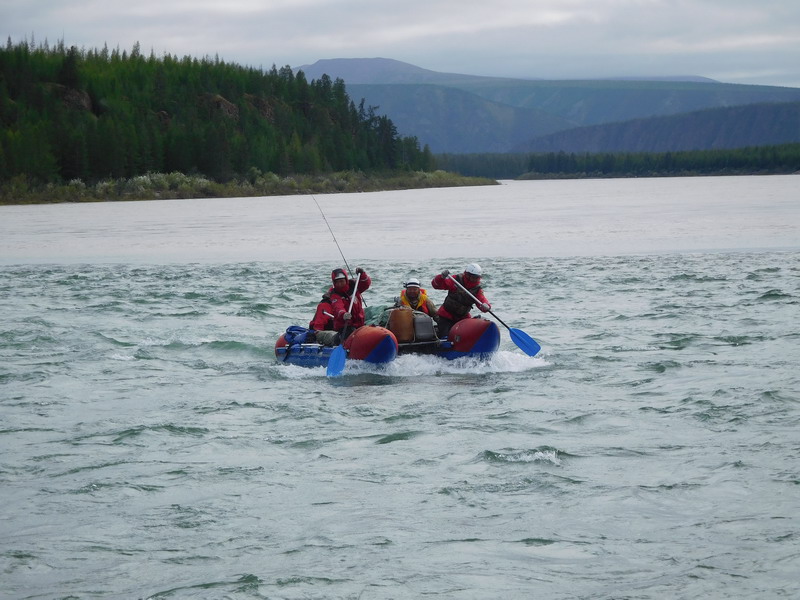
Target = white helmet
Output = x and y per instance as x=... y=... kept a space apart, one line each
x=413 y=282
x=473 y=269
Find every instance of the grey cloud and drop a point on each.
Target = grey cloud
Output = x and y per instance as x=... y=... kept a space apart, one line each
x=733 y=40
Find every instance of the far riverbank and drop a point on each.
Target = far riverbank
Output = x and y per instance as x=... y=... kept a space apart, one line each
x=166 y=186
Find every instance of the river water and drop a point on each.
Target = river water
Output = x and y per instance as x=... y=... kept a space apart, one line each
x=151 y=447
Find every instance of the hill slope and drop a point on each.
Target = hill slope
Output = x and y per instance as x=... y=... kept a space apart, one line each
x=449 y=122
x=711 y=129
x=597 y=102
x=91 y=115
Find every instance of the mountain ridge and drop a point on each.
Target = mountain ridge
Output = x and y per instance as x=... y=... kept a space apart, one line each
x=434 y=109
x=504 y=112
x=709 y=129
x=389 y=70
x=377 y=70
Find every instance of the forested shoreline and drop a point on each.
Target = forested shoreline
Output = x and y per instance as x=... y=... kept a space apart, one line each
x=176 y=185
x=73 y=115
x=760 y=160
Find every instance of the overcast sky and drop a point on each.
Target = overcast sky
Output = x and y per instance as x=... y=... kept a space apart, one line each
x=735 y=41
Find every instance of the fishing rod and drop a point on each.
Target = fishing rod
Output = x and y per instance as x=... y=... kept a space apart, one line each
x=332 y=234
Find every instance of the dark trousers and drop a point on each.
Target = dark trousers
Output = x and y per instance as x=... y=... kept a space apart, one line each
x=444 y=325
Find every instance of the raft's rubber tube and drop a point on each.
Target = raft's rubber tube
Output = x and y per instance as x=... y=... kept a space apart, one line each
x=372 y=344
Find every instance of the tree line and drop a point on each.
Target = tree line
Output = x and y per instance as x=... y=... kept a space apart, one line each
x=91 y=115
x=778 y=159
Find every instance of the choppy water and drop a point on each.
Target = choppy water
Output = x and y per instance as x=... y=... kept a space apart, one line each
x=150 y=446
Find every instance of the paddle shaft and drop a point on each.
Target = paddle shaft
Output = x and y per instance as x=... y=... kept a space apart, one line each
x=355 y=291
x=347 y=327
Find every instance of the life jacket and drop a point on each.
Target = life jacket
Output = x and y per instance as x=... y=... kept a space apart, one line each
x=422 y=301
x=458 y=303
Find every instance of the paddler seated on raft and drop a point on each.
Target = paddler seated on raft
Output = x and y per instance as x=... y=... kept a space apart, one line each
x=322 y=323
x=415 y=298
x=457 y=304
x=345 y=321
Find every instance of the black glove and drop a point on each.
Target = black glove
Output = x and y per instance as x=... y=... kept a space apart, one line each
x=445 y=273
x=360 y=270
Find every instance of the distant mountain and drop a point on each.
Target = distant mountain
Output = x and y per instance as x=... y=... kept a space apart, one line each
x=451 y=120
x=377 y=70
x=388 y=70
x=710 y=129
x=694 y=78
x=594 y=102
x=458 y=113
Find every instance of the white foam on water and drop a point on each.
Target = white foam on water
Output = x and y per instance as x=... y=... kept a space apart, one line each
x=415 y=365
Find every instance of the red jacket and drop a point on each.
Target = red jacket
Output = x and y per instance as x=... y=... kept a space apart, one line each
x=340 y=303
x=321 y=321
x=457 y=304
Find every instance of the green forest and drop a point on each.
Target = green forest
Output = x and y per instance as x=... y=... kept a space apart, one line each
x=93 y=115
x=766 y=160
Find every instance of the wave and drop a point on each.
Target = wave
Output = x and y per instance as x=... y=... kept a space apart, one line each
x=773 y=295
x=411 y=365
x=546 y=454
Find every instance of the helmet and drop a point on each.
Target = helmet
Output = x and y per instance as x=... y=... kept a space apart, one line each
x=338 y=274
x=473 y=269
x=413 y=282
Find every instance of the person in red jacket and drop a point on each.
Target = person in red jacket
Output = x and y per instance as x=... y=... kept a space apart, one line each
x=322 y=323
x=323 y=317
x=343 y=289
x=457 y=304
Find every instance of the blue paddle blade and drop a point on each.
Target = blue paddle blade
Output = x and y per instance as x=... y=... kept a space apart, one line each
x=336 y=361
x=523 y=341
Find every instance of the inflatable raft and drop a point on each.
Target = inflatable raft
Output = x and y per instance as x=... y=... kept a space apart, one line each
x=400 y=331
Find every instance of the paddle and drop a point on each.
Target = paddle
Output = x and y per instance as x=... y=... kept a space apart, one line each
x=338 y=356
x=523 y=341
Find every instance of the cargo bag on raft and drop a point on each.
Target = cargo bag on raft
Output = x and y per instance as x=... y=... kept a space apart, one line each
x=299 y=335
x=411 y=326
x=401 y=324
x=424 y=328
